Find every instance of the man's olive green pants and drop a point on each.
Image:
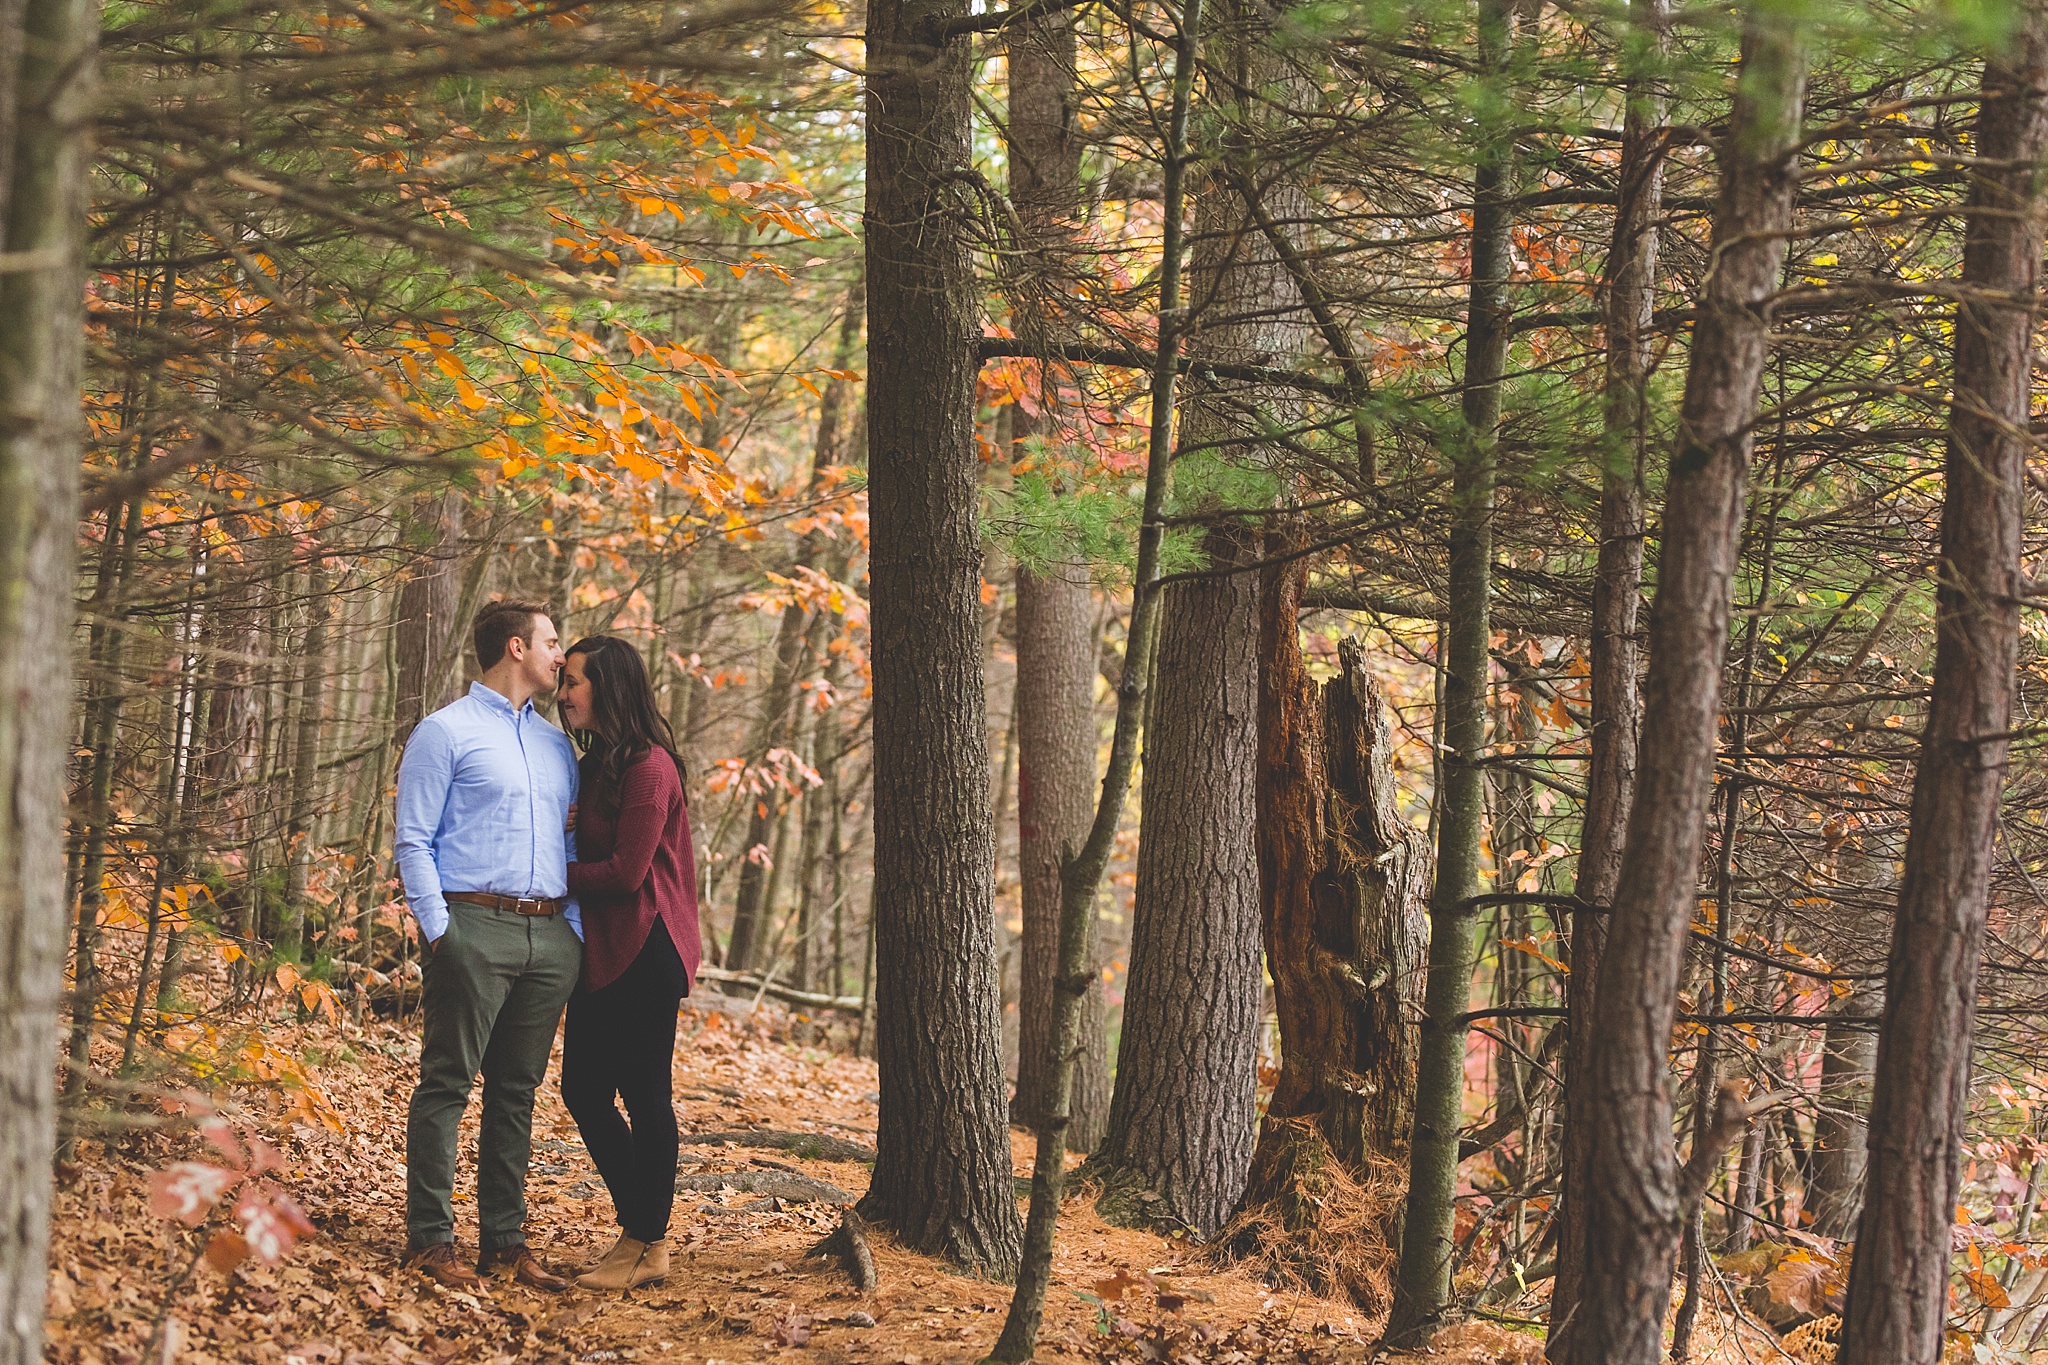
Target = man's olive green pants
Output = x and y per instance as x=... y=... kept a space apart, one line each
x=495 y=986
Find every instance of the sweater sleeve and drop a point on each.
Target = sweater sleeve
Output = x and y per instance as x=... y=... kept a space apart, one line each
x=643 y=816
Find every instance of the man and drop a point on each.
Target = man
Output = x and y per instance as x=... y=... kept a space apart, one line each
x=483 y=794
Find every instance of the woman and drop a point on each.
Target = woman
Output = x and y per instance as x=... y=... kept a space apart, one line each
x=636 y=879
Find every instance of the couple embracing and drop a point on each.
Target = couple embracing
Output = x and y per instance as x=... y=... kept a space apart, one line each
x=541 y=881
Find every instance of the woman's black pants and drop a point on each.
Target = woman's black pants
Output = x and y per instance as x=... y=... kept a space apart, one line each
x=620 y=1045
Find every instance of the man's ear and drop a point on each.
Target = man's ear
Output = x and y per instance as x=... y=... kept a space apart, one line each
x=515 y=649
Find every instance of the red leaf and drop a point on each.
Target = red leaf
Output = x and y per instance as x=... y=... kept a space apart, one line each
x=271 y=1222
x=188 y=1190
x=226 y=1251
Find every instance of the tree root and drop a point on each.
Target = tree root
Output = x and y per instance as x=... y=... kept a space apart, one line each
x=797 y=1189
x=803 y=1146
x=849 y=1242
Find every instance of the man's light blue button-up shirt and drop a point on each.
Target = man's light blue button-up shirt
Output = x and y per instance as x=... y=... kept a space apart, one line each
x=483 y=793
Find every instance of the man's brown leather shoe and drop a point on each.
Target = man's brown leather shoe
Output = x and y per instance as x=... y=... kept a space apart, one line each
x=439 y=1264
x=522 y=1266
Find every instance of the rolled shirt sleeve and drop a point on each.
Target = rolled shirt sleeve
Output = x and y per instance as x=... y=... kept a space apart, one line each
x=424 y=777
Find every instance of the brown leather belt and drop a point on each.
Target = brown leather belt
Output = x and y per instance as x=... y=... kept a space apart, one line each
x=518 y=905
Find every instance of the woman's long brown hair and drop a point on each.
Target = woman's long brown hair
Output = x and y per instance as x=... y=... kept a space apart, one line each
x=625 y=722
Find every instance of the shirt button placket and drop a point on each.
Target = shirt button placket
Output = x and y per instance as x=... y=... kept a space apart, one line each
x=532 y=818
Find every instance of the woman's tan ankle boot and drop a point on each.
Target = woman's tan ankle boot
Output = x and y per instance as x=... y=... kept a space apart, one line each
x=616 y=1270
x=653 y=1267
x=603 y=1256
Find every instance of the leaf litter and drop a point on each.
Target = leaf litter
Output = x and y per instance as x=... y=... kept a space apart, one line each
x=740 y=1289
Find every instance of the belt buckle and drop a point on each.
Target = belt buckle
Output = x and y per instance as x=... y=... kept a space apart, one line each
x=526 y=905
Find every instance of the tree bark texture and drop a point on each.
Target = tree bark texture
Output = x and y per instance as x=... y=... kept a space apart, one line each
x=1422 y=1289
x=299 y=827
x=942 y=1173
x=1342 y=887
x=107 y=644
x=1074 y=972
x=1057 y=739
x=1631 y=283
x=751 y=943
x=1183 y=1118
x=1841 y=1155
x=430 y=639
x=1633 y=1198
x=1057 y=731
x=48 y=48
x=1898 y=1286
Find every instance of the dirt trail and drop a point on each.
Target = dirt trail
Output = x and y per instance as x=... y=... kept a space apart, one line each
x=741 y=1289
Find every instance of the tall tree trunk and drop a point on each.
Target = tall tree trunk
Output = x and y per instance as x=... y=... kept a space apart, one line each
x=1706 y=1077
x=1182 y=1120
x=1342 y=889
x=751 y=941
x=1057 y=738
x=1057 y=733
x=108 y=648
x=47 y=49
x=1631 y=283
x=1081 y=872
x=1898 y=1287
x=1841 y=1157
x=824 y=814
x=942 y=1172
x=192 y=789
x=1632 y=1182
x=1422 y=1291
x=299 y=829
x=430 y=638
x=1748 y=1174
x=166 y=857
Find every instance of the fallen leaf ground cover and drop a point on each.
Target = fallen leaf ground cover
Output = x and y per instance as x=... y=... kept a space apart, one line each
x=741 y=1288
x=330 y=1093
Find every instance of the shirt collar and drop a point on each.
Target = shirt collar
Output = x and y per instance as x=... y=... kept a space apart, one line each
x=496 y=700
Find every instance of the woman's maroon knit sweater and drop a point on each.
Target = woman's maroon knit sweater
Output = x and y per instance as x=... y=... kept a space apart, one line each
x=633 y=868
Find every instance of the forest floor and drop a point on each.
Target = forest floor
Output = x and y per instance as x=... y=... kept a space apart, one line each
x=741 y=1288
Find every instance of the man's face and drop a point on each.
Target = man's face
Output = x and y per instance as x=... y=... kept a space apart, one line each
x=540 y=655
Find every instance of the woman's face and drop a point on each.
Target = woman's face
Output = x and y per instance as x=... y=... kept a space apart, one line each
x=576 y=696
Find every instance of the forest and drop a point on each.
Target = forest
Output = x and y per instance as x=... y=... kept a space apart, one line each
x=1354 y=680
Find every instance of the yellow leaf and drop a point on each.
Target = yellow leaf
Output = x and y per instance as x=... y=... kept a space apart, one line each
x=1986 y=1287
x=633 y=462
